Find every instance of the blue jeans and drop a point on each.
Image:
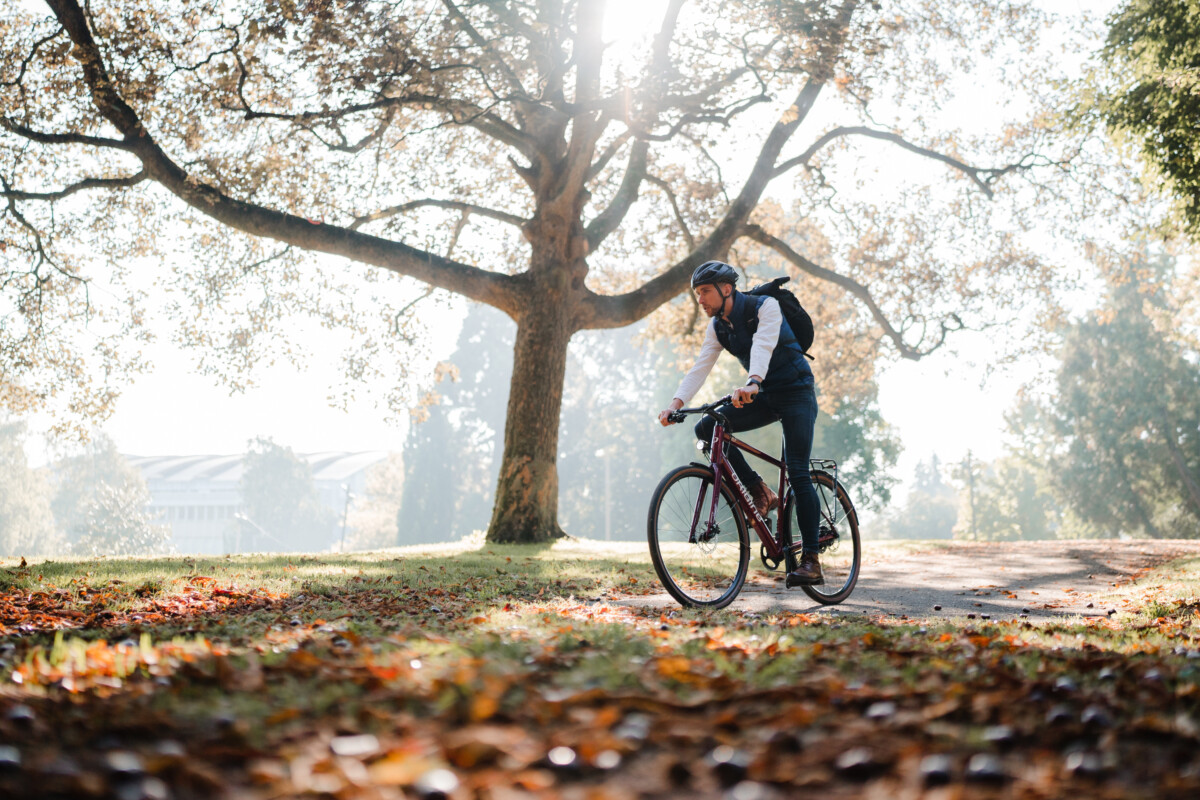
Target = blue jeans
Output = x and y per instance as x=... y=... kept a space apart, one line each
x=796 y=409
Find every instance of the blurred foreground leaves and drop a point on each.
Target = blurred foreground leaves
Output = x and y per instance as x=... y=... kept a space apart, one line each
x=515 y=673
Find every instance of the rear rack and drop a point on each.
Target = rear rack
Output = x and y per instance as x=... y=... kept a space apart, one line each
x=826 y=464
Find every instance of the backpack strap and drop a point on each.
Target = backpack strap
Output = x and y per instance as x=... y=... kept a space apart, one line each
x=750 y=316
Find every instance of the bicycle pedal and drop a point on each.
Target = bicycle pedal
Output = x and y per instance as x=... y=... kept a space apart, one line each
x=792 y=582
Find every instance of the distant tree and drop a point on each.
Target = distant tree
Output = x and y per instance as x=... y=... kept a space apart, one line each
x=610 y=440
x=451 y=456
x=930 y=510
x=373 y=516
x=1149 y=93
x=280 y=501
x=1125 y=420
x=101 y=503
x=1009 y=499
x=512 y=154
x=26 y=522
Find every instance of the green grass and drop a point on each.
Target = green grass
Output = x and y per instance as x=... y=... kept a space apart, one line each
x=482 y=660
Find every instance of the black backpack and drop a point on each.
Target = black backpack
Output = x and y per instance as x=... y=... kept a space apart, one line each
x=797 y=318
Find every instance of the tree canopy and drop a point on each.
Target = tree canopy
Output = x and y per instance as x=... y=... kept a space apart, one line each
x=1151 y=92
x=498 y=151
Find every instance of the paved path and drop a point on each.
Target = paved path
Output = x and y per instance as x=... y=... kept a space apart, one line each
x=1001 y=579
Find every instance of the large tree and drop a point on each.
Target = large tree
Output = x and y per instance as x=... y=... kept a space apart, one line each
x=497 y=150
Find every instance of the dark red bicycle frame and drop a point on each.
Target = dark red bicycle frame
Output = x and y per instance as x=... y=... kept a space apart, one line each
x=722 y=471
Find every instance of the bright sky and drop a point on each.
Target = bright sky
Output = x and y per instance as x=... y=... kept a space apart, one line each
x=937 y=405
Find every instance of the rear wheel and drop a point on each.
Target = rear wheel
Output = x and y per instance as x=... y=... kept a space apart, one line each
x=698 y=564
x=841 y=550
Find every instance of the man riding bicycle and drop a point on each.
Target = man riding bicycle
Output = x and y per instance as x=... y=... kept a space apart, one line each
x=777 y=367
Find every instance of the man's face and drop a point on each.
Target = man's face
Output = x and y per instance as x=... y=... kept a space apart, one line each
x=712 y=297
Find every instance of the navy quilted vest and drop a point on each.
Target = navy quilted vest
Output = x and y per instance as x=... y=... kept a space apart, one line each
x=788 y=367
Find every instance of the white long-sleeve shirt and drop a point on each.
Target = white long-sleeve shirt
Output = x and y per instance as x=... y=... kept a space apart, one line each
x=763 y=345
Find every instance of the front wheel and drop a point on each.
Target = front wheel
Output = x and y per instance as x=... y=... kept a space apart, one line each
x=699 y=564
x=837 y=536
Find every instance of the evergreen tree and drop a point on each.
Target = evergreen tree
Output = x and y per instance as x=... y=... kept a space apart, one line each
x=930 y=510
x=1150 y=93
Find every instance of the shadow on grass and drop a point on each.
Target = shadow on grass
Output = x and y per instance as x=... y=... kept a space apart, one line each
x=240 y=596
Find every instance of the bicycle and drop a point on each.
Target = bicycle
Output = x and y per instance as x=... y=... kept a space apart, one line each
x=697 y=525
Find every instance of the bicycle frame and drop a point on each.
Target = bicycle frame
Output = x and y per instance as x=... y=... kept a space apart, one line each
x=722 y=471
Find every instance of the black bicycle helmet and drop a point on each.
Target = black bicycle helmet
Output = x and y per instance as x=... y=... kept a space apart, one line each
x=714 y=272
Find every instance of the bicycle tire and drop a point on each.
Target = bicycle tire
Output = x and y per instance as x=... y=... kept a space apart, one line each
x=707 y=574
x=838 y=516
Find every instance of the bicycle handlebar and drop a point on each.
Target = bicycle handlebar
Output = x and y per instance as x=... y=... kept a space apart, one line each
x=681 y=414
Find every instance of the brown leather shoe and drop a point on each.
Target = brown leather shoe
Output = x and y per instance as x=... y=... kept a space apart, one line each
x=764 y=498
x=808 y=573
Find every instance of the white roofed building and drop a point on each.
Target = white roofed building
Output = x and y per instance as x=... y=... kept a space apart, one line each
x=199 y=496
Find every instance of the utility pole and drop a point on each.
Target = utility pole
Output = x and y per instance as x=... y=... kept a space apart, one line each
x=971 y=493
x=604 y=453
x=607 y=497
x=345 y=514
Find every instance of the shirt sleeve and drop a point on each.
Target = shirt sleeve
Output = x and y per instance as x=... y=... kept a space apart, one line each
x=709 y=351
x=766 y=337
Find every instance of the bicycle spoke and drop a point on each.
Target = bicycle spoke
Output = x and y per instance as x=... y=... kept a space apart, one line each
x=709 y=568
x=837 y=535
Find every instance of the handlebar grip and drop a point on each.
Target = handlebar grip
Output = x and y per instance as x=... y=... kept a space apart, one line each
x=675 y=416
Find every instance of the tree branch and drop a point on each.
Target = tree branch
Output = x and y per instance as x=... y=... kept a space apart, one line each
x=478 y=284
x=61 y=138
x=609 y=152
x=984 y=177
x=466 y=208
x=610 y=218
x=587 y=127
x=674 y=201
x=25 y=62
x=83 y=185
x=614 y=311
x=514 y=82
x=852 y=286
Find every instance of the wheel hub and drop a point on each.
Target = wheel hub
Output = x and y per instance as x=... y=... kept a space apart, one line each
x=707 y=541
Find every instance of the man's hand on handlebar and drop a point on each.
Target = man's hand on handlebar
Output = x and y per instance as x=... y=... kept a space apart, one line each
x=665 y=416
x=744 y=395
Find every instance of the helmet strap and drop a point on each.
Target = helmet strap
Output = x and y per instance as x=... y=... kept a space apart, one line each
x=727 y=305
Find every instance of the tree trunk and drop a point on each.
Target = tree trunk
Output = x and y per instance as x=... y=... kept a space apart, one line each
x=526 y=508
x=1135 y=499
